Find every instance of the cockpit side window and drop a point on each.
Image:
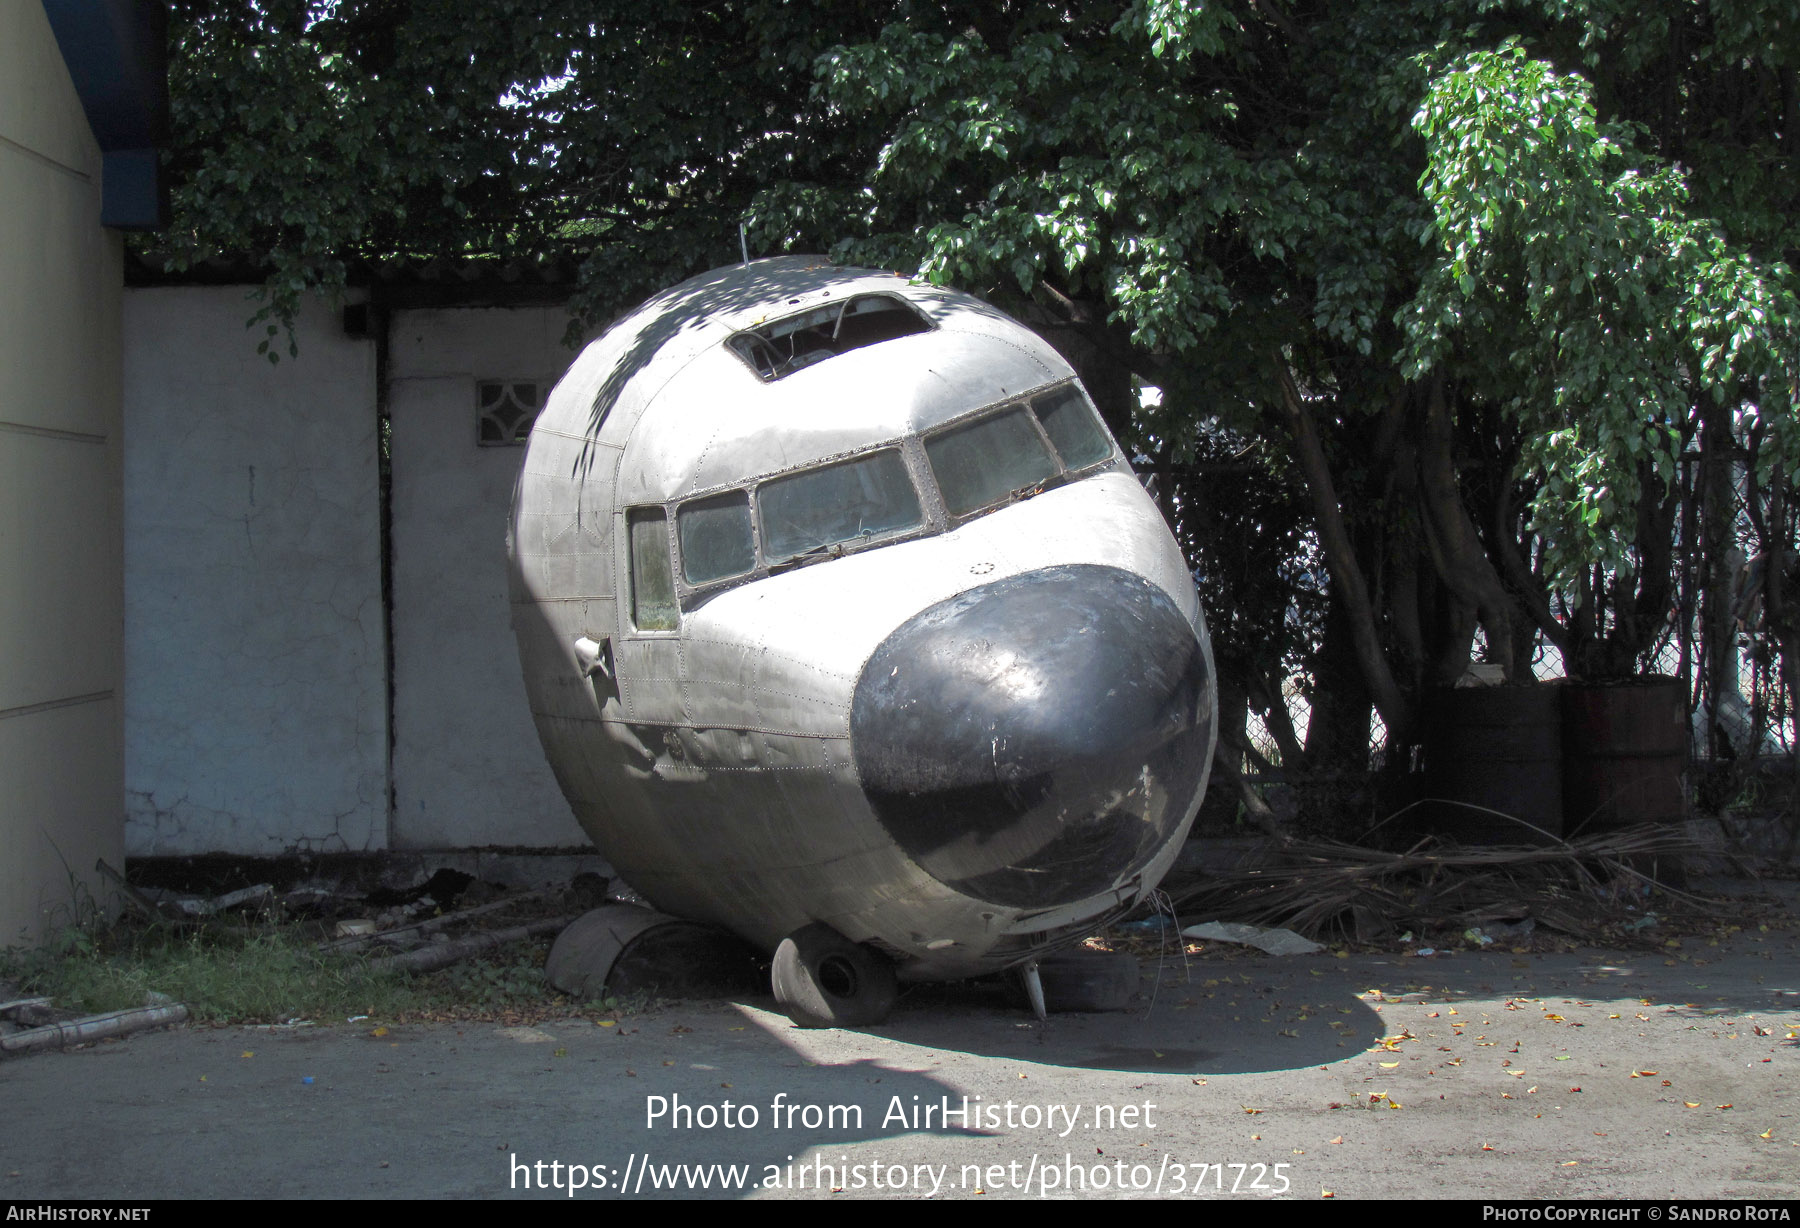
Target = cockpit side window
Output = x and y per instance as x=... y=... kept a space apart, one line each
x=716 y=542
x=793 y=342
x=855 y=501
x=984 y=461
x=1070 y=423
x=653 y=606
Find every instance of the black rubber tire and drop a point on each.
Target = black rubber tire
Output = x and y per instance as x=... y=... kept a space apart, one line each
x=1079 y=981
x=823 y=980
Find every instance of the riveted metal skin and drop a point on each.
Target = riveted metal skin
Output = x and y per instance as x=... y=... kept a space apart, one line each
x=750 y=767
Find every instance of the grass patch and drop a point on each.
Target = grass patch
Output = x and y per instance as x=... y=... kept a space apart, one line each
x=260 y=970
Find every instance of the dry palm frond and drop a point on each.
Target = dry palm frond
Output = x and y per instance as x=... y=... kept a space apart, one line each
x=1320 y=887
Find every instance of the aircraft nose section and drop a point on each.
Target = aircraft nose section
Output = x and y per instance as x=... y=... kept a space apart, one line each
x=1034 y=741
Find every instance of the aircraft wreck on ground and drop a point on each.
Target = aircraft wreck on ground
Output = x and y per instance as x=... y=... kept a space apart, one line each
x=847 y=627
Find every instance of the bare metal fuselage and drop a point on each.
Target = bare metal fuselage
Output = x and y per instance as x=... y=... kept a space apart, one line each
x=958 y=740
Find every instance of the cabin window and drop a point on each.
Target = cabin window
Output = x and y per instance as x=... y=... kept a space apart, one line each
x=715 y=537
x=653 y=605
x=801 y=340
x=984 y=461
x=844 y=504
x=1072 y=427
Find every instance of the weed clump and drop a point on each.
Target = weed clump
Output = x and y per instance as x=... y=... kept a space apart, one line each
x=263 y=968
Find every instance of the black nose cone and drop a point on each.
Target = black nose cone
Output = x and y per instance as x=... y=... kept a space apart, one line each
x=1033 y=741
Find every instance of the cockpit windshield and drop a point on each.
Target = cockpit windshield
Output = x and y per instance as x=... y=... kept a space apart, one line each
x=855 y=501
x=976 y=464
x=988 y=459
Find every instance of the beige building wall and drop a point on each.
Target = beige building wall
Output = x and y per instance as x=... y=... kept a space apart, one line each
x=61 y=764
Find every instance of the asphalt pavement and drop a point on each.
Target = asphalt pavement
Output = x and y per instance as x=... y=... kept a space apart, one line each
x=1664 y=1072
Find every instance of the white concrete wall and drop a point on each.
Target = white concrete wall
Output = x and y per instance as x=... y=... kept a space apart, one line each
x=468 y=768
x=60 y=765
x=255 y=709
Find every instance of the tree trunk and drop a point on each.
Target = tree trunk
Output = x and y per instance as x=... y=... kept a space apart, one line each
x=1456 y=547
x=1340 y=557
x=1337 y=735
x=1405 y=553
x=1719 y=677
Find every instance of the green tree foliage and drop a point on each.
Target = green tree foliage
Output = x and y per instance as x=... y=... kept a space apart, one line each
x=1394 y=240
x=313 y=135
x=1466 y=275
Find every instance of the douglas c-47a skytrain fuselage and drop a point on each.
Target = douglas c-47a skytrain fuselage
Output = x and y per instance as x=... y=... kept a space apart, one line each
x=847 y=627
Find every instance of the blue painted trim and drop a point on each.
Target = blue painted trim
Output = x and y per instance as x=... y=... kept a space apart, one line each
x=117 y=55
x=131 y=190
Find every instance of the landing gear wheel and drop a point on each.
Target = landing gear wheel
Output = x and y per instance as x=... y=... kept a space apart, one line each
x=823 y=980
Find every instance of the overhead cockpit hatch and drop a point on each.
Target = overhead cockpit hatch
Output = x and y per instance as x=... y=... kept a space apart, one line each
x=782 y=347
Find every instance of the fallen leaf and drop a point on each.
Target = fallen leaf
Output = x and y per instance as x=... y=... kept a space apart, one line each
x=1340 y=1138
